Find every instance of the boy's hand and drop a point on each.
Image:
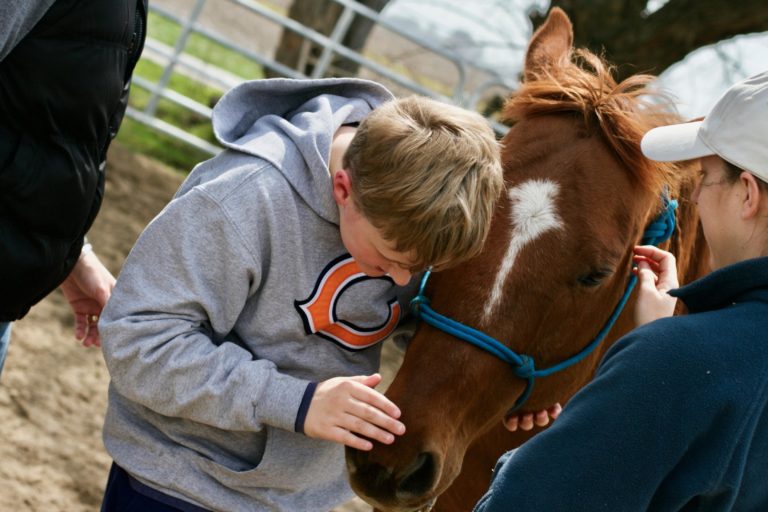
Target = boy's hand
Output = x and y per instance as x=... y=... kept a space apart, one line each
x=657 y=274
x=345 y=406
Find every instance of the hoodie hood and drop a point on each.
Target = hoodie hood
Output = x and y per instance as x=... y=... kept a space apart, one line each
x=291 y=123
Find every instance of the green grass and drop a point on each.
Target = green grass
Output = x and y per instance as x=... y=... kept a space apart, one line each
x=168 y=32
x=169 y=111
x=165 y=148
x=171 y=151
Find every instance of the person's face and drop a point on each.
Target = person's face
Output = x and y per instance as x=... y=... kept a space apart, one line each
x=373 y=254
x=718 y=201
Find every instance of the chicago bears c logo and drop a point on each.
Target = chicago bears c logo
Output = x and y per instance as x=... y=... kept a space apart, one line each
x=318 y=312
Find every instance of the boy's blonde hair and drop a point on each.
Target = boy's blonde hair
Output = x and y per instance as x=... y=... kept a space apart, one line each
x=427 y=175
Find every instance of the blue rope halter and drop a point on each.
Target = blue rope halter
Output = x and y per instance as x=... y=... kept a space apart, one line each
x=656 y=232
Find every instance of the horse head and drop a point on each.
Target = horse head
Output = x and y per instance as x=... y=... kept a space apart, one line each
x=578 y=196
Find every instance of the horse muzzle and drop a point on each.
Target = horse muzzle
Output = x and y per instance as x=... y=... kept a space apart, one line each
x=410 y=488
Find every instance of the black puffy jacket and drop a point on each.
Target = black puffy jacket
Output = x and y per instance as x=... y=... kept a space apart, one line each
x=63 y=94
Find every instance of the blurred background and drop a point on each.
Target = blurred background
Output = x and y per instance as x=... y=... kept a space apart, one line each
x=466 y=52
x=469 y=52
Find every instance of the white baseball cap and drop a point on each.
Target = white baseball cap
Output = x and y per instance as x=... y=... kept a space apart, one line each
x=736 y=130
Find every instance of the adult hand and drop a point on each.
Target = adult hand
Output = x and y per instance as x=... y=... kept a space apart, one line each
x=345 y=408
x=657 y=274
x=87 y=289
x=528 y=420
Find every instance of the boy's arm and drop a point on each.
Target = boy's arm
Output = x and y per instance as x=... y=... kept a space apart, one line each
x=180 y=292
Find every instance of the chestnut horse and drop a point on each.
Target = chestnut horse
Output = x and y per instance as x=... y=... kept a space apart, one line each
x=579 y=195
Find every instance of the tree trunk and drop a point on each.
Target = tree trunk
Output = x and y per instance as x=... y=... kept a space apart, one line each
x=301 y=54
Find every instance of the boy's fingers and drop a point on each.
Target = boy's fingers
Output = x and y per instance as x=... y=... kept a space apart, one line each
x=376 y=417
x=377 y=400
x=359 y=426
x=344 y=436
x=369 y=380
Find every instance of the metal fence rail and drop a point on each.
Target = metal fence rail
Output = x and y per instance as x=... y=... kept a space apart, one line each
x=177 y=58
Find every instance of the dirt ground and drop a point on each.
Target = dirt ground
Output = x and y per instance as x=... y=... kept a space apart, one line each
x=53 y=391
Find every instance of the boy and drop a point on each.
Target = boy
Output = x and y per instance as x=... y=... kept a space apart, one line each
x=271 y=274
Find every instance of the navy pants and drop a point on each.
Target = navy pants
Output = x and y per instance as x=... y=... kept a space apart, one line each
x=122 y=495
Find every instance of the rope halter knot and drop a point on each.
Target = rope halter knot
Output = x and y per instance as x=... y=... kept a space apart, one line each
x=527 y=368
x=662 y=227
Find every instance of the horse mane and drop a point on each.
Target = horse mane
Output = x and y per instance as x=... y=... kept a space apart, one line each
x=584 y=85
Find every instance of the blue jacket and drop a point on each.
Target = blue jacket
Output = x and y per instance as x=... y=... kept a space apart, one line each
x=675 y=419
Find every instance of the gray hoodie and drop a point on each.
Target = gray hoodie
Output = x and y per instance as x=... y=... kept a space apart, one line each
x=237 y=296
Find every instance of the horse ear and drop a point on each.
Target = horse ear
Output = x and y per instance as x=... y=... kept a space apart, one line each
x=550 y=45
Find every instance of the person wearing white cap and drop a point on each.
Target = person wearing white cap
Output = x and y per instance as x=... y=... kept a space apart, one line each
x=732 y=145
x=677 y=415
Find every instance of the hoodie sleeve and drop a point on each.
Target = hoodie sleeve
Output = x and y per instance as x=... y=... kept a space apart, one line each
x=180 y=292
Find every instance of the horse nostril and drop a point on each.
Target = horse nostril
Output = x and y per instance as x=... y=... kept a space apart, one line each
x=418 y=478
x=372 y=477
x=392 y=485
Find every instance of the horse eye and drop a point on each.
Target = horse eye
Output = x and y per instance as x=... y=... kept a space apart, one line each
x=594 y=278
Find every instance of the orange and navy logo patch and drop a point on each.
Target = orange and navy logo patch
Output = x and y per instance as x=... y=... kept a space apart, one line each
x=319 y=315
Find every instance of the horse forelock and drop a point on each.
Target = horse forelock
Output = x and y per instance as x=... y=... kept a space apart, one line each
x=620 y=112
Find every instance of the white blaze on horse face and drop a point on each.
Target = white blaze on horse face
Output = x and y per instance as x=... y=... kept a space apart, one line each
x=533 y=213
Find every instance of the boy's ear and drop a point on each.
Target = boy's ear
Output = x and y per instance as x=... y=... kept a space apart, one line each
x=342 y=187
